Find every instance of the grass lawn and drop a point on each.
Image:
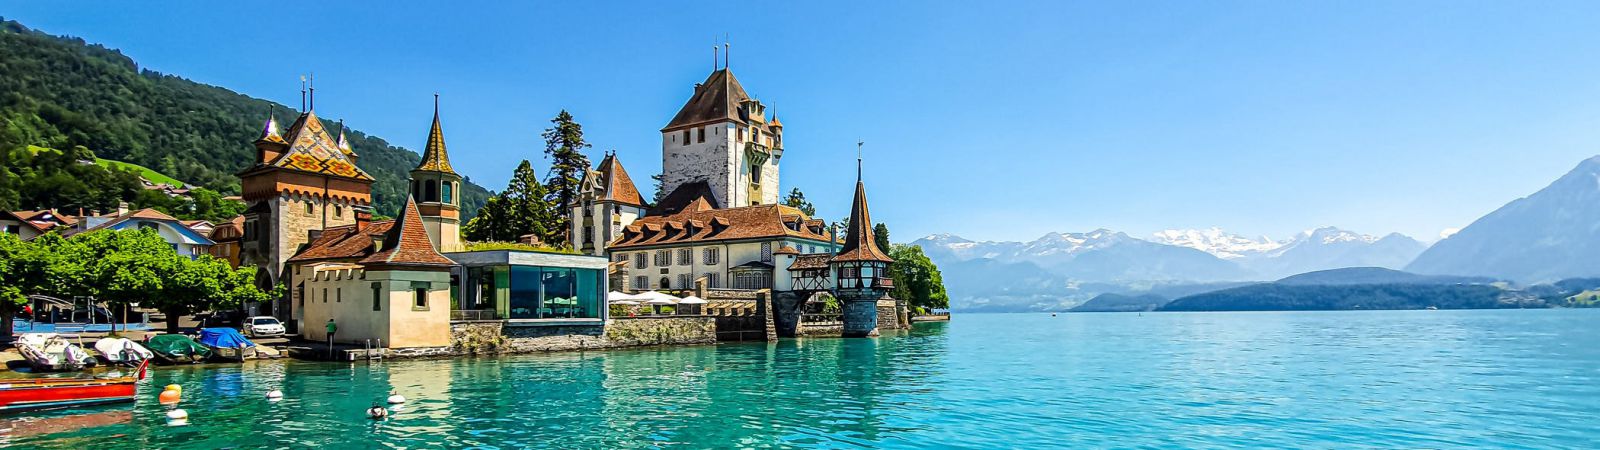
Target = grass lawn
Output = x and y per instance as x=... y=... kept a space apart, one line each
x=153 y=176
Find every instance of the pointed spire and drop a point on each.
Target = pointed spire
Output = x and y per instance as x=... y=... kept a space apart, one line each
x=434 y=157
x=269 y=130
x=859 y=242
x=344 y=144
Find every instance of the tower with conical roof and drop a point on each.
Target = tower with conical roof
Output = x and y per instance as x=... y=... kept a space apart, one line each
x=722 y=137
x=437 y=188
x=860 y=269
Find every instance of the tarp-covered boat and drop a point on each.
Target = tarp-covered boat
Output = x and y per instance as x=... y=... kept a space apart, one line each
x=52 y=352
x=227 y=344
x=177 y=349
x=122 y=351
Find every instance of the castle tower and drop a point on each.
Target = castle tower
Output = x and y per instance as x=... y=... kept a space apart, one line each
x=301 y=183
x=607 y=202
x=722 y=137
x=437 y=189
x=861 y=270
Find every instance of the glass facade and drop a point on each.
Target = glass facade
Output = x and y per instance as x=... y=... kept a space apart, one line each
x=534 y=292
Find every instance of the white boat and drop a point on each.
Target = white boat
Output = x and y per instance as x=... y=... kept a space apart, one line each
x=122 y=351
x=52 y=352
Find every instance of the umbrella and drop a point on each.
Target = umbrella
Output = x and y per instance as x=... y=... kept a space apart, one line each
x=657 y=298
x=661 y=301
x=692 y=300
x=624 y=302
x=615 y=296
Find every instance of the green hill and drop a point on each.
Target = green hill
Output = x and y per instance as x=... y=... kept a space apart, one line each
x=144 y=172
x=61 y=92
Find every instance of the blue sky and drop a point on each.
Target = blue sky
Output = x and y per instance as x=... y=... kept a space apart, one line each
x=1004 y=121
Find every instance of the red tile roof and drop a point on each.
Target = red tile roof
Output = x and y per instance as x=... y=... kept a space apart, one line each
x=343 y=242
x=407 y=243
x=715 y=225
x=618 y=185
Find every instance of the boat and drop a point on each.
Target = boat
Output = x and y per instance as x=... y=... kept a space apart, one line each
x=122 y=351
x=227 y=344
x=177 y=349
x=46 y=393
x=50 y=352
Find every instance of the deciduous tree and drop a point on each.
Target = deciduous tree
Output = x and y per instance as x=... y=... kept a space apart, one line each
x=916 y=279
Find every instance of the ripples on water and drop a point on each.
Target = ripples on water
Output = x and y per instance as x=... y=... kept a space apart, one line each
x=1321 y=379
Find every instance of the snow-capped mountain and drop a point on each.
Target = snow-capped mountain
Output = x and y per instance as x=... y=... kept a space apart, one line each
x=1550 y=235
x=1316 y=249
x=1099 y=255
x=1217 y=242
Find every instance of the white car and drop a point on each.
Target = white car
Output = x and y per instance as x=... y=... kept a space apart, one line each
x=263 y=326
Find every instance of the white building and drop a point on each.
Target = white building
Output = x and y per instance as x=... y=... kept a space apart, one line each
x=722 y=137
x=607 y=201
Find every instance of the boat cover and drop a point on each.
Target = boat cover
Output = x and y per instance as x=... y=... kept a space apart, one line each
x=176 y=345
x=224 y=338
x=115 y=348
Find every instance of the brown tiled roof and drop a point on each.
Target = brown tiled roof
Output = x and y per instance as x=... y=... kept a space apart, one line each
x=786 y=249
x=811 y=261
x=407 y=243
x=715 y=100
x=616 y=182
x=690 y=196
x=19 y=216
x=113 y=219
x=312 y=150
x=859 y=244
x=343 y=242
x=434 y=158
x=713 y=225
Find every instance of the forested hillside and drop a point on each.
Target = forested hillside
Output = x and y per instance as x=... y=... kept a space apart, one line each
x=60 y=92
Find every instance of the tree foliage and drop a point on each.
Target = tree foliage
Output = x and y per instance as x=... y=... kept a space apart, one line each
x=798 y=200
x=564 y=144
x=519 y=210
x=60 y=92
x=120 y=268
x=880 y=236
x=916 y=278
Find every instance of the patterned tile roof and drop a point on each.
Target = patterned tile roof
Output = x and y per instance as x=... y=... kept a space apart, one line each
x=434 y=158
x=312 y=150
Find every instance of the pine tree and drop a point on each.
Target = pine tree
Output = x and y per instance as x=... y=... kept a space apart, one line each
x=519 y=210
x=564 y=144
x=661 y=188
x=880 y=233
x=797 y=199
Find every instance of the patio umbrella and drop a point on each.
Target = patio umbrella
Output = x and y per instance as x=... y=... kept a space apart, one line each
x=615 y=296
x=624 y=302
x=656 y=298
x=692 y=300
x=661 y=301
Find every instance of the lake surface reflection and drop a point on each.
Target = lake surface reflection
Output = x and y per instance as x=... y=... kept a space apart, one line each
x=1317 y=379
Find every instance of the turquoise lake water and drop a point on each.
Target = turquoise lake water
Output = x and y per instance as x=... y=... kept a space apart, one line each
x=1413 y=379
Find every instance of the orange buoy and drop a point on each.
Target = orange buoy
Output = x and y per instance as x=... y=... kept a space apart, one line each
x=169 y=396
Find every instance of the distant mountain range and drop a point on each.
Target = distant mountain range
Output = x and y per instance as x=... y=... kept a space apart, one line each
x=1318 y=249
x=1550 y=235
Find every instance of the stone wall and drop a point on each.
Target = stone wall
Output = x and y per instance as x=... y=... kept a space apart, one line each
x=497 y=337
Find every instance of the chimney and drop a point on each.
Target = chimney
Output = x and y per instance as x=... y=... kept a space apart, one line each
x=363 y=217
x=122 y=208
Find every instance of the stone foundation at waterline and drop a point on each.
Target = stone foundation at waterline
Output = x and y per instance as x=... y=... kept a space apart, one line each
x=499 y=337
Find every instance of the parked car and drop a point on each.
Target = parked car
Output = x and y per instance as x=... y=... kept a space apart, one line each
x=263 y=326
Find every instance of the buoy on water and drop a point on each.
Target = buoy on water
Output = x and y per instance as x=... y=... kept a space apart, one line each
x=174 y=387
x=178 y=414
x=274 y=395
x=396 y=398
x=169 y=396
x=377 y=412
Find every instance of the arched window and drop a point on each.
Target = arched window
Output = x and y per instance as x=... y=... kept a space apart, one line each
x=449 y=191
x=666 y=283
x=430 y=191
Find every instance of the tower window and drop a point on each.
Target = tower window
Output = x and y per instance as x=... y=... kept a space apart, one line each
x=430 y=191
x=449 y=192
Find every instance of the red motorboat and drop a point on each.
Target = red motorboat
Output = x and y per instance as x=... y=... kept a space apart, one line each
x=47 y=393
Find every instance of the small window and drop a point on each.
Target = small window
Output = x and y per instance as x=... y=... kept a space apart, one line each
x=324 y=295
x=663 y=258
x=338 y=211
x=419 y=295
x=377 y=296
x=766 y=252
x=642 y=282
x=638 y=260
x=712 y=256
x=686 y=138
x=449 y=192
x=683 y=280
x=711 y=280
x=684 y=255
x=430 y=191
x=308 y=207
x=338 y=295
x=700 y=135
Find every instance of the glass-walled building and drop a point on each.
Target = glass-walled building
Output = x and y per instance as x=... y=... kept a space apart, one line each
x=529 y=286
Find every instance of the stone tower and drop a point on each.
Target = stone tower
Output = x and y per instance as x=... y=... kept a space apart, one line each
x=861 y=270
x=723 y=138
x=437 y=190
x=302 y=182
